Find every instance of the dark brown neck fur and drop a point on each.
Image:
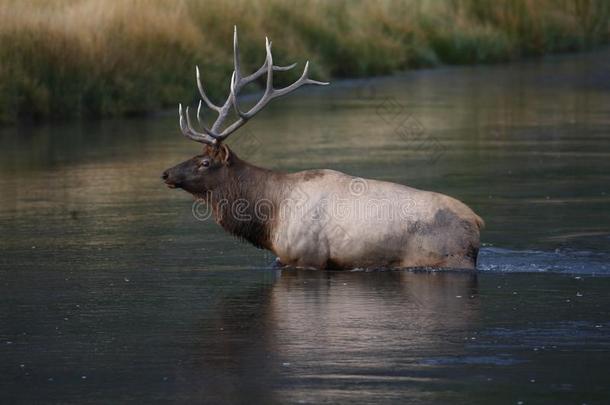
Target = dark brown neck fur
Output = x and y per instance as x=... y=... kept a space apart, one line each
x=246 y=204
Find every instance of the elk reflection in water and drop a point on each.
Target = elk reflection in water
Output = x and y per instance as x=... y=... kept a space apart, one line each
x=301 y=327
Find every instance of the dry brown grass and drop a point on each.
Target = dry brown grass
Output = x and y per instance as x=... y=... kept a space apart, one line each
x=110 y=57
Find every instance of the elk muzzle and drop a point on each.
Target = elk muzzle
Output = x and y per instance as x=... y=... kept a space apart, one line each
x=172 y=177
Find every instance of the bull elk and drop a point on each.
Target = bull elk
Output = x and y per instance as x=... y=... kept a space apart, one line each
x=321 y=219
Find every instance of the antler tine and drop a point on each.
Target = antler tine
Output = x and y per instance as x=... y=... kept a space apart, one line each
x=269 y=88
x=237 y=70
x=204 y=97
x=190 y=133
x=235 y=83
x=237 y=67
x=233 y=96
x=263 y=69
x=199 y=113
x=304 y=79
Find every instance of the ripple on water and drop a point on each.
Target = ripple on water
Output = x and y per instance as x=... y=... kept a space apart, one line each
x=500 y=360
x=495 y=259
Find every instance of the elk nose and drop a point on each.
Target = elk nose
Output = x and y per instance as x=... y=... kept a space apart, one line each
x=165 y=175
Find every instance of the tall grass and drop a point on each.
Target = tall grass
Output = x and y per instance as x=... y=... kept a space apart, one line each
x=90 y=58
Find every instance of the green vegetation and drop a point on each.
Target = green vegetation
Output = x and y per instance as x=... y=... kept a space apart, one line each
x=90 y=58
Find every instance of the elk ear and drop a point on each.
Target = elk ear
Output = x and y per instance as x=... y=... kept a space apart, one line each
x=226 y=160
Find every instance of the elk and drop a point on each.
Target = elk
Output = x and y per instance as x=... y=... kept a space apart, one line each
x=321 y=219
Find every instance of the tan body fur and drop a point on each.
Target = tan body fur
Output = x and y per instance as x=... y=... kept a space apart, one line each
x=332 y=220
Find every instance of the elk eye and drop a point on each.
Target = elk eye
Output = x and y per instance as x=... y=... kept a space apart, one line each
x=205 y=163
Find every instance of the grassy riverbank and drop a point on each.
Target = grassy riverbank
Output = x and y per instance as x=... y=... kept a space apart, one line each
x=90 y=58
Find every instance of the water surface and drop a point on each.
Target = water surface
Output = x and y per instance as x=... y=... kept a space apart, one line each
x=111 y=290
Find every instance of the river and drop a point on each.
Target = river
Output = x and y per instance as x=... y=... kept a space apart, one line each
x=111 y=290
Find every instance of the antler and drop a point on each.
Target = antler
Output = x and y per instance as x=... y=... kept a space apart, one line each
x=214 y=135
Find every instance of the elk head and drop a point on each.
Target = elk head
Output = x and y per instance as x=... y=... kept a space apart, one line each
x=213 y=167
